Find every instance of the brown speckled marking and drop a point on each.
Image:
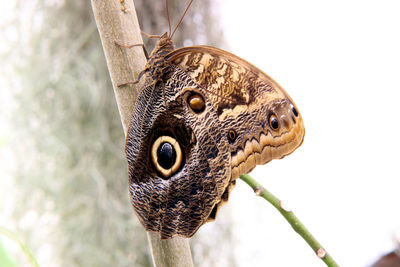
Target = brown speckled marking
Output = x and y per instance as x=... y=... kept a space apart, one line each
x=238 y=97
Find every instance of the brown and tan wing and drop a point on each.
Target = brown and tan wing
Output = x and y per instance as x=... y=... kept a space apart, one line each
x=221 y=116
x=260 y=119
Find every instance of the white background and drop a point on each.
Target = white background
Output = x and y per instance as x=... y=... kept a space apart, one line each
x=340 y=62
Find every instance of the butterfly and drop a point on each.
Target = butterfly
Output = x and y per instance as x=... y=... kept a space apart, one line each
x=203 y=117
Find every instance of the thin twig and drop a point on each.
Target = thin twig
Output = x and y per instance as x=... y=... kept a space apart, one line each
x=297 y=225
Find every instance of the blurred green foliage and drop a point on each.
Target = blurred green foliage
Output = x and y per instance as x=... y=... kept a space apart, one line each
x=5 y=259
x=6 y=256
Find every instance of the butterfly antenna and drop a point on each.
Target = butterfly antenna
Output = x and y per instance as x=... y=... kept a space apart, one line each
x=184 y=13
x=169 y=21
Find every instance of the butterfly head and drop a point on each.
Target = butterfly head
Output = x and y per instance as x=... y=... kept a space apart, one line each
x=164 y=46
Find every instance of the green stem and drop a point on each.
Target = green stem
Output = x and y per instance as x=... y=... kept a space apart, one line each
x=23 y=247
x=292 y=220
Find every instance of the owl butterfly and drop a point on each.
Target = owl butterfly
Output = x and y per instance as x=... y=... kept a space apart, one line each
x=203 y=117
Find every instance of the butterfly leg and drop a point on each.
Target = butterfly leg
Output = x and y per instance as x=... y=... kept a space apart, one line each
x=142 y=72
x=142 y=45
x=130 y=46
x=133 y=82
x=150 y=35
x=128 y=83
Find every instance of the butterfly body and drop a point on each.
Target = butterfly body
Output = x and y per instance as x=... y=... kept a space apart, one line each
x=203 y=117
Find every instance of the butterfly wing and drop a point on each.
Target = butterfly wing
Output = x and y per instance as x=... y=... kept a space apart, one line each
x=204 y=118
x=264 y=121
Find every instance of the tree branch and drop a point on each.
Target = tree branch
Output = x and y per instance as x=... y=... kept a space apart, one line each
x=117 y=22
